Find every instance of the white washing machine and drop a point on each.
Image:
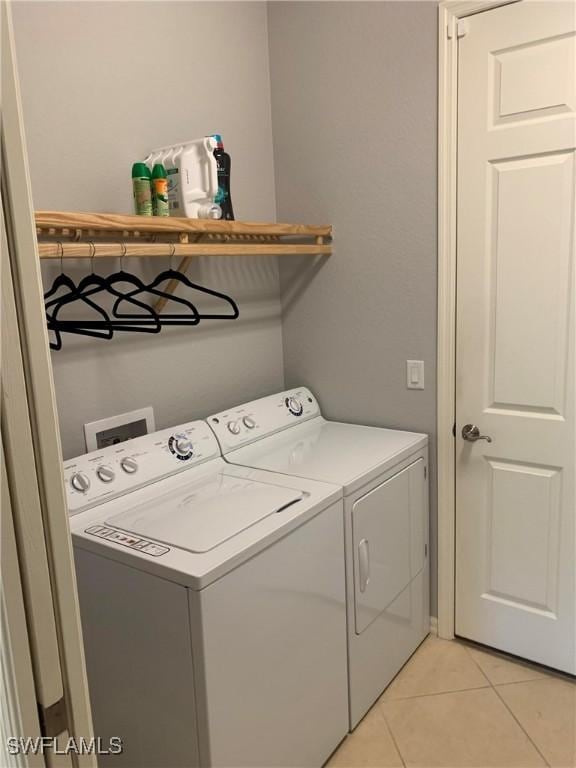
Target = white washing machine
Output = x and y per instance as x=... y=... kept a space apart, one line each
x=213 y=605
x=384 y=476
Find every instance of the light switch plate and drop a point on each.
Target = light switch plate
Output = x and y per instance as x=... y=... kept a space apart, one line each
x=415 y=374
x=117 y=429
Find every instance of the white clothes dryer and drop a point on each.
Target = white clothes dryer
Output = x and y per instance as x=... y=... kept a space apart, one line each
x=213 y=609
x=384 y=476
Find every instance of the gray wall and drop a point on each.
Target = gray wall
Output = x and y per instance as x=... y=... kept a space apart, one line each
x=353 y=111
x=354 y=120
x=102 y=83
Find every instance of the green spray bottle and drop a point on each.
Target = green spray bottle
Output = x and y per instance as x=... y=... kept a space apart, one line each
x=160 y=190
x=142 y=189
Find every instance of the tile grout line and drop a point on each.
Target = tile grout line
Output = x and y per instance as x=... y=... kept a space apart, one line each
x=521 y=726
x=380 y=704
x=437 y=693
x=471 y=657
x=389 y=727
x=540 y=670
x=495 y=689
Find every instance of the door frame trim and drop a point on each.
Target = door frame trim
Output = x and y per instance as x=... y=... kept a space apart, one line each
x=449 y=13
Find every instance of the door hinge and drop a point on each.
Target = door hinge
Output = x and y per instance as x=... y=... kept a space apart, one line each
x=458 y=27
x=425 y=550
x=53 y=719
x=425 y=471
x=454 y=430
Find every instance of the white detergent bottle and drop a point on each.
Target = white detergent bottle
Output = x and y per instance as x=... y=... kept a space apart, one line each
x=198 y=179
x=169 y=161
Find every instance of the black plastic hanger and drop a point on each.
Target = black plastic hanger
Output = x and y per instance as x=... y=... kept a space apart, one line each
x=103 y=330
x=146 y=320
x=172 y=274
x=166 y=318
x=149 y=320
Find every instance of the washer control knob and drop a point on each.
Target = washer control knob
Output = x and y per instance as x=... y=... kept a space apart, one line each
x=80 y=482
x=294 y=406
x=233 y=427
x=129 y=465
x=182 y=445
x=249 y=422
x=105 y=473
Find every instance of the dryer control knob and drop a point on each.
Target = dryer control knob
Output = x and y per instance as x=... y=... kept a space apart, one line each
x=182 y=445
x=105 y=473
x=233 y=427
x=129 y=465
x=249 y=422
x=80 y=482
x=294 y=406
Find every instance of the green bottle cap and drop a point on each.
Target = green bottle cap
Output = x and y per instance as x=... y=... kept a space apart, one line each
x=139 y=170
x=159 y=172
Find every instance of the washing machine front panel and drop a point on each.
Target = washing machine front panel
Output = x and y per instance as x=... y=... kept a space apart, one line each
x=274 y=630
x=249 y=672
x=137 y=644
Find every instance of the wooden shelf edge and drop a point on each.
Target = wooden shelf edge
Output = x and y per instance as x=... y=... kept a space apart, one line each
x=115 y=250
x=109 y=222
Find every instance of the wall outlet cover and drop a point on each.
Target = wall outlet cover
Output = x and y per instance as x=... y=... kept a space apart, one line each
x=117 y=429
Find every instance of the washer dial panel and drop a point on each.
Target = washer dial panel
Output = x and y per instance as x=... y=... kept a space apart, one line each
x=294 y=406
x=129 y=465
x=105 y=473
x=117 y=469
x=181 y=447
x=260 y=418
x=80 y=482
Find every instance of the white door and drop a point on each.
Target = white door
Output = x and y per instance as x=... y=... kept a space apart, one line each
x=515 y=547
x=40 y=546
x=18 y=701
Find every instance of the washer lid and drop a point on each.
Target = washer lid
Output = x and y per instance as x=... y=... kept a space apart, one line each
x=199 y=517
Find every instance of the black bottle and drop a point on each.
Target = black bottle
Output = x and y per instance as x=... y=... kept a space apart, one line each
x=223 y=162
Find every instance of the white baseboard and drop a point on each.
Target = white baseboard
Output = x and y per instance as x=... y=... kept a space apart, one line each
x=433 y=625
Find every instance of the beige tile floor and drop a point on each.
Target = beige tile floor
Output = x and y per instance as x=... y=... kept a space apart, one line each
x=457 y=706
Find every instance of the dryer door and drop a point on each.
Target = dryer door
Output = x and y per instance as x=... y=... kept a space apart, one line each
x=389 y=538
